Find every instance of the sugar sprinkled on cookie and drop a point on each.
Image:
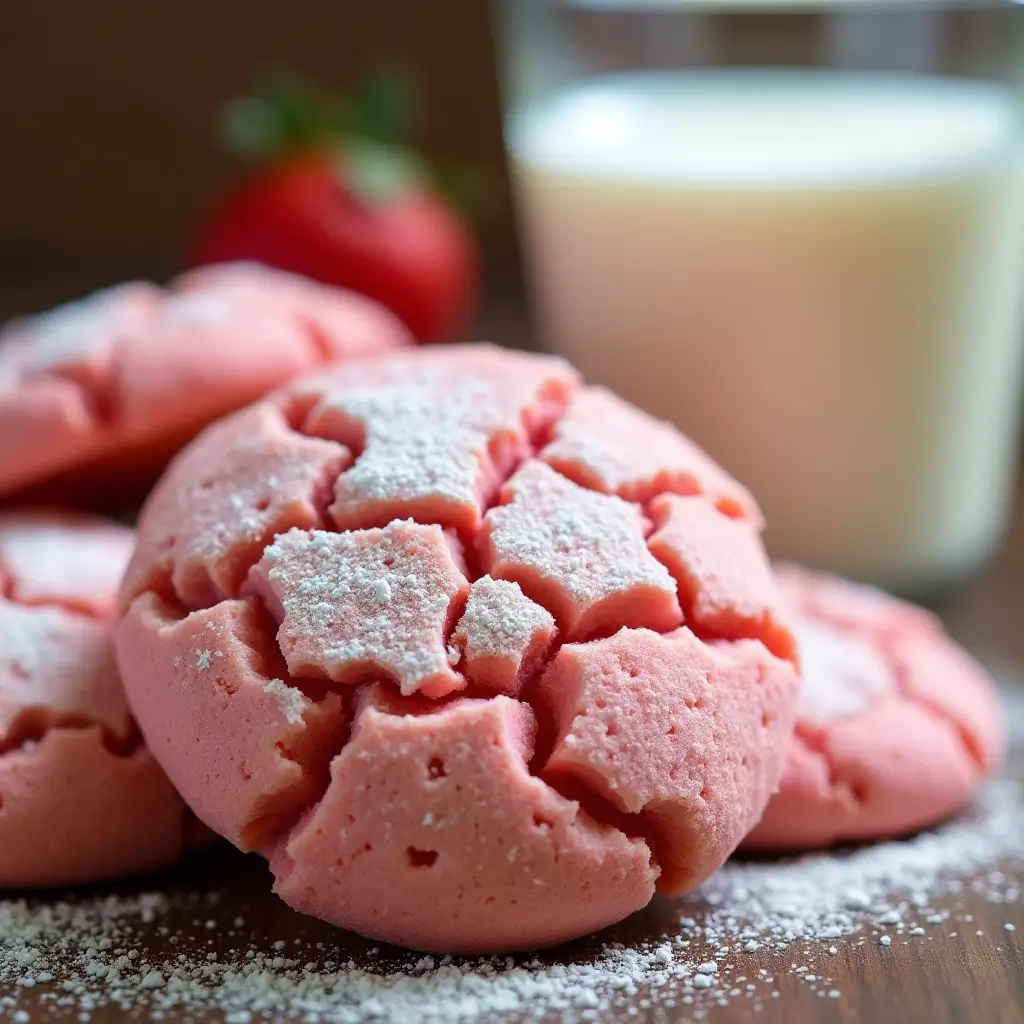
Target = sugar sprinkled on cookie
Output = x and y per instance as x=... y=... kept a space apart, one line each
x=81 y=799
x=502 y=635
x=896 y=725
x=109 y=385
x=581 y=553
x=841 y=674
x=436 y=439
x=467 y=703
x=604 y=443
x=354 y=606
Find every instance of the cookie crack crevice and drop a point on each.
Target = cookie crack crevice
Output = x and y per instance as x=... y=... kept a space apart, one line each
x=605 y=813
x=634 y=718
x=605 y=444
x=971 y=747
x=202 y=532
x=228 y=705
x=99 y=399
x=428 y=446
x=439 y=795
x=9 y=592
x=814 y=743
x=30 y=726
x=971 y=691
x=586 y=791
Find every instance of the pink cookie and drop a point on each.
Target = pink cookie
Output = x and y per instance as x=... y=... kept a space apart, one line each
x=896 y=725
x=478 y=658
x=108 y=388
x=81 y=799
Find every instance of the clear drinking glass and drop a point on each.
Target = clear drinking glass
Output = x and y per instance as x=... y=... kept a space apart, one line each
x=798 y=232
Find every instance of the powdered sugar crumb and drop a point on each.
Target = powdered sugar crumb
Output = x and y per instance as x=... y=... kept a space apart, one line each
x=435 y=439
x=590 y=546
x=841 y=675
x=500 y=620
x=367 y=599
x=416 y=446
x=293 y=702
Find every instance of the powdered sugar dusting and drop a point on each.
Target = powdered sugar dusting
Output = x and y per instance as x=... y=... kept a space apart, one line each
x=500 y=620
x=750 y=925
x=78 y=332
x=590 y=547
x=50 y=658
x=240 y=483
x=293 y=702
x=605 y=443
x=502 y=636
x=436 y=441
x=53 y=559
x=267 y=473
x=365 y=602
x=841 y=673
x=196 y=309
x=418 y=444
x=33 y=640
x=438 y=430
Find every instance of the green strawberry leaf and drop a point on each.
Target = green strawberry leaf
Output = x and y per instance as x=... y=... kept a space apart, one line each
x=383 y=105
x=285 y=116
x=282 y=117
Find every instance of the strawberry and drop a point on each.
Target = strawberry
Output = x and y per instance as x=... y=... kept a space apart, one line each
x=336 y=197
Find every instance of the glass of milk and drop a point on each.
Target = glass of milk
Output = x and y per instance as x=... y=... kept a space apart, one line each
x=798 y=232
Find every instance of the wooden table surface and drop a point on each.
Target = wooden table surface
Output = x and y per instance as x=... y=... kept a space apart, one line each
x=973 y=977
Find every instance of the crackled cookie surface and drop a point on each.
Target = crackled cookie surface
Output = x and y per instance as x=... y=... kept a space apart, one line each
x=113 y=384
x=81 y=799
x=896 y=725
x=479 y=658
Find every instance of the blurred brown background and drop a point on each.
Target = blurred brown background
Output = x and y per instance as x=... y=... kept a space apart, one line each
x=110 y=148
x=108 y=126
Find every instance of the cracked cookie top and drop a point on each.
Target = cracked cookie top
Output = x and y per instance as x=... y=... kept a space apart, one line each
x=476 y=655
x=81 y=799
x=896 y=724
x=126 y=374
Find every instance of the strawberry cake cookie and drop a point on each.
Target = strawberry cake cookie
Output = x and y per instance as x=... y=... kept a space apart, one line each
x=478 y=658
x=105 y=390
x=896 y=725
x=81 y=798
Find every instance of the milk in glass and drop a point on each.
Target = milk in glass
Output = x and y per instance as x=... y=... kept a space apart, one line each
x=816 y=274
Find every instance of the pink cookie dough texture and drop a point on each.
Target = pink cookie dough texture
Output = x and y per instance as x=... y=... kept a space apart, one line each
x=81 y=799
x=896 y=725
x=112 y=385
x=477 y=657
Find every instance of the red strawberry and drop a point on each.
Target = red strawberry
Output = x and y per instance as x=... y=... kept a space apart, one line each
x=336 y=199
